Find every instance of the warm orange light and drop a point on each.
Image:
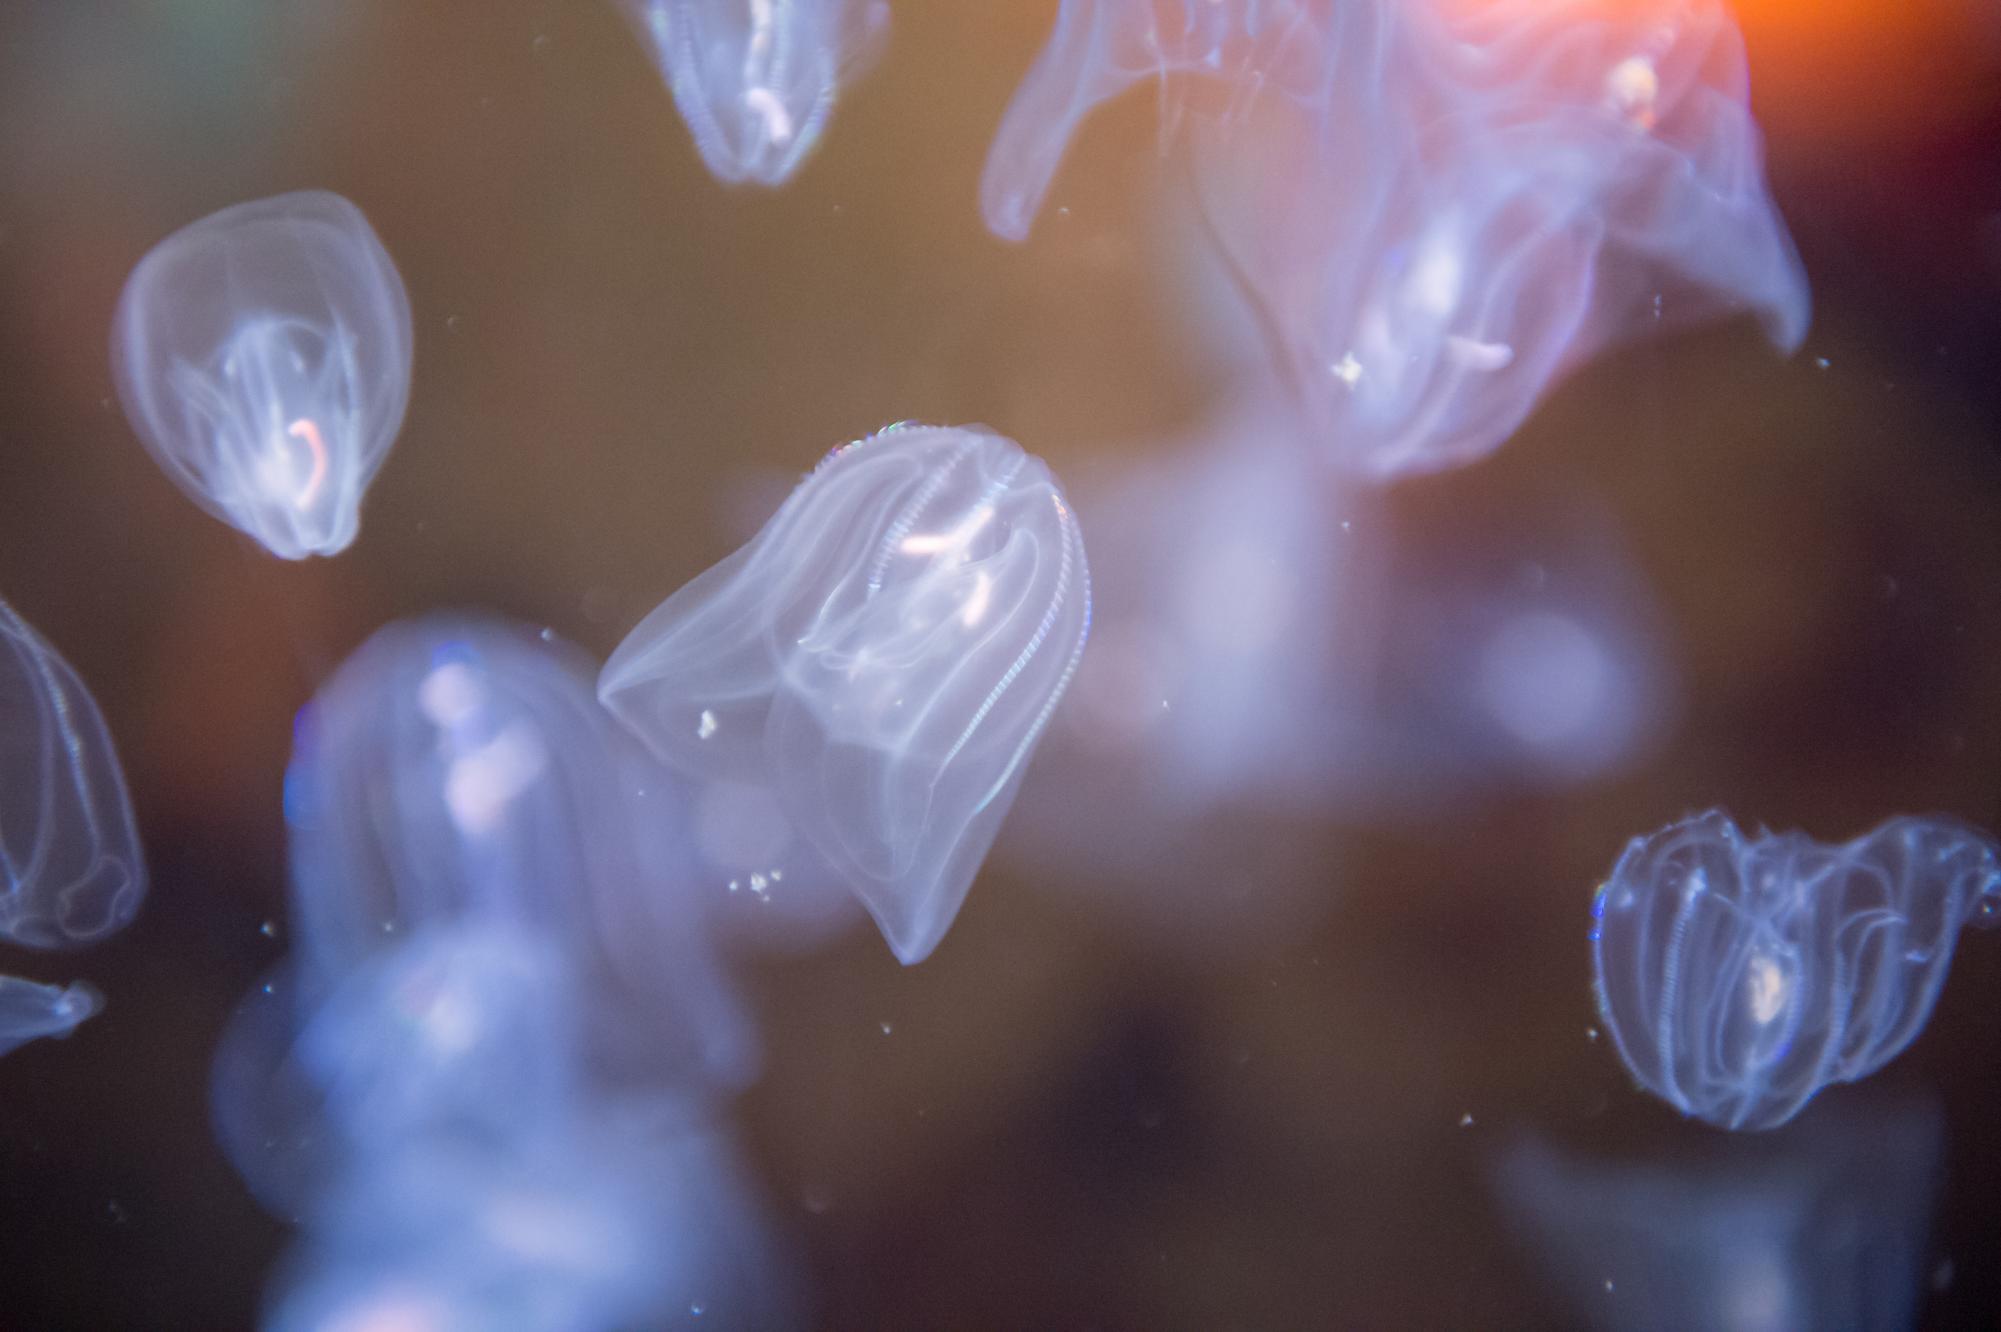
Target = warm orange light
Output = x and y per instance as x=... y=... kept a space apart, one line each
x=1869 y=70
x=308 y=431
x=1823 y=72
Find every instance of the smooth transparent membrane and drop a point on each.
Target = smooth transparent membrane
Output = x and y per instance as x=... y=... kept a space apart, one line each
x=263 y=357
x=1823 y=1225
x=69 y=850
x=756 y=80
x=1740 y=975
x=883 y=657
x=475 y=847
x=71 y=870
x=1436 y=207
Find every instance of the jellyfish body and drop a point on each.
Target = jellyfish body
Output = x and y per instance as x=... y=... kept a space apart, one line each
x=448 y=1142
x=757 y=80
x=607 y=1222
x=483 y=864
x=482 y=1080
x=459 y=770
x=263 y=357
x=882 y=658
x=71 y=869
x=1740 y=975
x=29 y=1010
x=1436 y=208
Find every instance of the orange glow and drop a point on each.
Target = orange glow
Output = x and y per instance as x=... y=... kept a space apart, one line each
x=1859 y=71
x=1827 y=72
x=306 y=430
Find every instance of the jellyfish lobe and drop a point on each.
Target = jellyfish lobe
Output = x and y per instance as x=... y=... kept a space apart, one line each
x=757 y=80
x=263 y=357
x=883 y=657
x=71 y=869
x=1741 y=975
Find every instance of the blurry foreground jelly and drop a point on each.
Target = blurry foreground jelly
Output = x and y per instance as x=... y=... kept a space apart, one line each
x=491 y=914
x=458 y=770
x=610 y=1219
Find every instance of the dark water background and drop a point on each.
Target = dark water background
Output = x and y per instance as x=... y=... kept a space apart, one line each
x=1067 y=1125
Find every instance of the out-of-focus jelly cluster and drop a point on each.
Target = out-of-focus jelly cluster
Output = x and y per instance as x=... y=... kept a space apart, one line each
x=1436 y=207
